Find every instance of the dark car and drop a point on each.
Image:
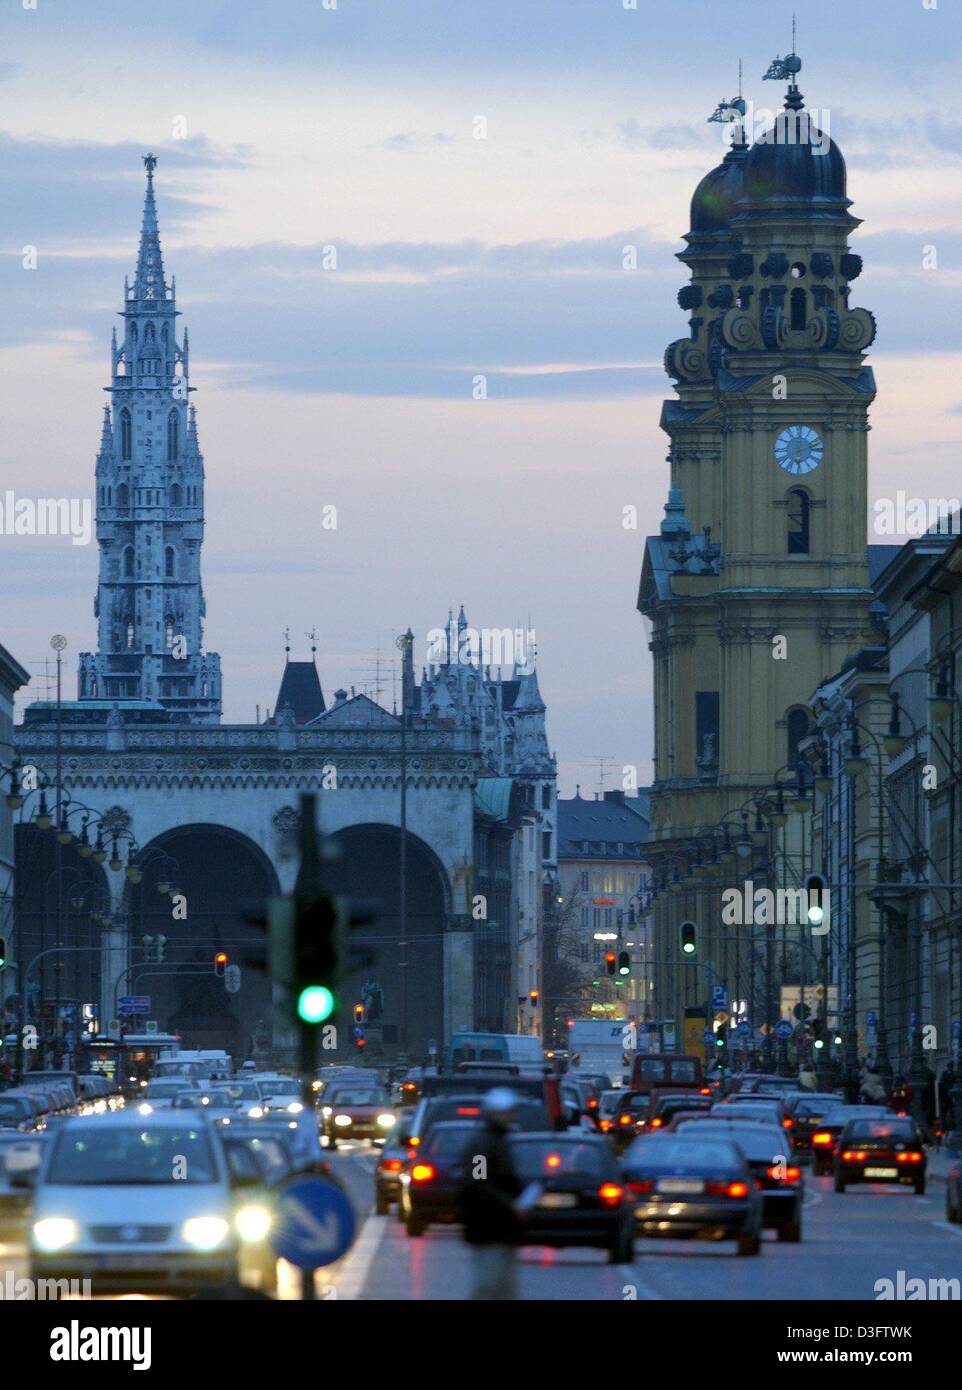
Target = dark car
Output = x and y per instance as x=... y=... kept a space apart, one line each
x=390 y=1164
x=17 y=1113
x=629 y=1118
x=825 y=1135
x=665 y=1106
x=583 y=1200
x=695 y=1188
x=889 y=1150
x=770 y=1158
x=807 y=1109
x=431 y=1181
x=529 y=1114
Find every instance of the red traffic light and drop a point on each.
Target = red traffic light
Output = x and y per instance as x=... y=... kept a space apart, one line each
x=220 y=964
x=360 y=1044
x=611 y=960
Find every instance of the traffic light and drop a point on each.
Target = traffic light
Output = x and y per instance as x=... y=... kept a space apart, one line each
x=816 y=904
x=686 y=939
x=534 y=998
x=220 y=964
x=360 y=1044
x=358 y=1013
x=624 y=963
x=3 y=953
x=611 y=961
x=154 y=949
x=316 y=930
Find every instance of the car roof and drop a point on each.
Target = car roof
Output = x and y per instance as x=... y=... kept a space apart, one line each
x=122 y=1119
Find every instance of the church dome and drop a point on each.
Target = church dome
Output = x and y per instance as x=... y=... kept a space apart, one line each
x=793 y=162
x=713 y=202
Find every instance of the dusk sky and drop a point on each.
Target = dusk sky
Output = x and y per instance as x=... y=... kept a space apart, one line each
x=355 y=128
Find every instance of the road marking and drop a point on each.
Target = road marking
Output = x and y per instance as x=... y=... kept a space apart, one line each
x=647 y=1292
x=947 y=1226
x=351 y=1279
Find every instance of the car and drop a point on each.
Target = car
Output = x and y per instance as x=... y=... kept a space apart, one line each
x=216 y=1105
x=529 y=1114
x=274 y=1084
x=749 y=1083
x=390 y=1164
x=159 y=1095
x=17 y=1112
x=667 y=1069
x=255 y=1212
x=357 y=1112
x=807 y=1109
x=302 y=1136
x=825 y=1137
x=880 y=1150
x=665 y=1105
x=245 y=1095
x=583 y=1201
x=681 y=1117
x=693 y=1188
x=766 y=1112
x=430 y=1181
x=629 y=1118
x=20 y=1154
x=272 y=1142
x=770 y=1160
x=607 y=1106
x=135 y=1207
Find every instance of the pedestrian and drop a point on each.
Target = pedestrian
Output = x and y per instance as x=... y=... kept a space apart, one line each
x=945 y=1088
x=807 y=1079
x=900 y=1095
x=872 y=1089
x=490 y=1189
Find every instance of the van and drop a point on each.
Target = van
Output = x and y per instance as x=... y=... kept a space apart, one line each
x=680 y=1073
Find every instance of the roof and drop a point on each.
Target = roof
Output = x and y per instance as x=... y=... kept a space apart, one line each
x=359 y=712
x=301 y=689
x=602 y=825
x=493 y=798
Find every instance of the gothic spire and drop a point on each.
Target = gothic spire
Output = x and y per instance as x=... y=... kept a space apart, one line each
x=106 y=435
x=193 y=446
x=149 y=286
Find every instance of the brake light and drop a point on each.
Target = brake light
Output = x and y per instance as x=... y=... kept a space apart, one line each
x=822 y=1137
x=784 y=1174
x=611 y=1194
x=592 y=1104
x=468 y=1110
x=624 y=1119
x=854 y=1156
x=414 y=1141
x=605 y=1126
x=908 y=1158
x=788 y=1122
x=640 y=1188
x=553 y=1161
x=422 y=1172
x=727 y=1189
x=657 y=1123
x=704 y=1090
x=392 y=1165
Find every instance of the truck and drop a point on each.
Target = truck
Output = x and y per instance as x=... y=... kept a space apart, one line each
x=522 y=1049
x=598 y=1045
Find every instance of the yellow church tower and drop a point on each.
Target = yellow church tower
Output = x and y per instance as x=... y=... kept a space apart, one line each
x=756 y=587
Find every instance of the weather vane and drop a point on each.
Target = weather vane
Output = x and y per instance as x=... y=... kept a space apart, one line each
x=784 y=69
x=150 y=164
x=729 y=112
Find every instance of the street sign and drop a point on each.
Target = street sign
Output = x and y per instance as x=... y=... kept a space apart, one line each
x=432 y=1047
x=871 y=1018
x=151 y=1026
x=315 y=1223
x=232 y=978
x=708 y=1036
x=719 y=996
x=783 y=1029
x=134 y=1004
x=113 y=1026
x=744 y=1029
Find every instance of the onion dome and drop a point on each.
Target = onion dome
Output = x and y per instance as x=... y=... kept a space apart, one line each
x=793 y=164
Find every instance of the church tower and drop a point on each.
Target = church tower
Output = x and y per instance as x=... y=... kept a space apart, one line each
x=757 y=586
x=150 y=509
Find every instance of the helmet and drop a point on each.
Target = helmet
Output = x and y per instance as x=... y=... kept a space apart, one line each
x=499 y=1104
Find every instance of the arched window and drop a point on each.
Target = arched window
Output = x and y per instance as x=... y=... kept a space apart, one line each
x=169 y=562
x=128 y=562
x=797 y=726
x=176 y=495
x=173 y=435
x=798 y=309
x=125 y=434
x=799 y=521
x=169 y=631
x=130 y=634
x=149 y=333
x=123 y=495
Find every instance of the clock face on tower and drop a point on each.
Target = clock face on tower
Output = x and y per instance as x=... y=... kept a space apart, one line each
x=798 y=449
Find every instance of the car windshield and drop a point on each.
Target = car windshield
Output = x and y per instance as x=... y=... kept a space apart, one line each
x=840 y=1116
x=15 y=1108
x=757 y=1143
x=546 y=1158
x=280 y=1086
x=685 y=1154
x=129 y=1155
x=243 y=1090
x=448 y=1139
x=881 y=1129
x=201 y=1100
x=163 y=1088
x=360 y=1097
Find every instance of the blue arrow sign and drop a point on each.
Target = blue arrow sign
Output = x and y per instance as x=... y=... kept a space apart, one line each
x=315 y=1223
x=783 y=1029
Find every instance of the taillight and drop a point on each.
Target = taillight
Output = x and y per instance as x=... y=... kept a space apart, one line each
x=468 y=1110
x=414 y=1141
x=657 y=1123
x=727 y=1189
x=624 y=1119
x=704 y=1090
x=640 y=1188
x=822 y=1137
x=392 y=1165
x=553 y=1161
x=422 y=1172
x=788 y=1122
x=909 y=1158
x=611 y=1194
x=854 y=1156
x=784 y=1174
x=605 y=1126
x=592 y=1104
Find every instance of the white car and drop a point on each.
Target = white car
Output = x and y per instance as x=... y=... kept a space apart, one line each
x=135 y=1204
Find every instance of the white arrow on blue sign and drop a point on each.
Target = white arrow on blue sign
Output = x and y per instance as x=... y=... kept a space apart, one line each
x=315 y=1223
x=783 y=1029
x=708 y=1036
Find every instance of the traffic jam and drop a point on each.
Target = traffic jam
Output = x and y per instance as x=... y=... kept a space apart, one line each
x=192 y=1176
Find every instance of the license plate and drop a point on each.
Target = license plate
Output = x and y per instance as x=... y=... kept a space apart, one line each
x=680 y=1186
x=554 y=1200
x=881 y=1172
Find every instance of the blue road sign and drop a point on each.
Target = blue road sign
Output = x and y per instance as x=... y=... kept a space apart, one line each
x=956 y=1027
x=133 y=1004
x=708 y=1036
x=871 y=1018
x=744 y=1030
x=315 y=1223
x=783 y=1029
x=719 y=997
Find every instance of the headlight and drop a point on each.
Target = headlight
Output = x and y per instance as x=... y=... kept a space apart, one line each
x=253 y=1223
x=326 y=1111
x=255 y=1112
x=386 y=1120
x=342 y=1119
x=316 y=1085
x=54 y=1232
x=145 y=1109
x=205 y=1232
x=295 y=1107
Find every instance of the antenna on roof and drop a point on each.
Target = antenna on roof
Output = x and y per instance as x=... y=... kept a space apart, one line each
x=312 y=638
x=287 y=644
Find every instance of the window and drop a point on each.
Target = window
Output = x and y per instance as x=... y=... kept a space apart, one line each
x=123 y=495
x=799 y=516
x=596 y=952
x=707 y=718
x=130 y=634
x=173 y=435
x=798 y=310
x=546 y=798
x=584 y=918
x=176 y=494
x=596 y=919
x=168 y=632
x=607 y=919
x=797 y=724
x=125 y=436
x=546 y=844
x=585 y=881
x=169 y=562
x=128 y=562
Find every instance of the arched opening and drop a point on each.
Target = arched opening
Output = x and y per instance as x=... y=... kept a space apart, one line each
x=173 y=435
x=369 y=869
x=798 y=310
x=170 y=562
x=797 y=726
x=128 y=562
x=123 y=496
x=125 y=434
x=176 y=494
x=220 y=875
x=799 y=521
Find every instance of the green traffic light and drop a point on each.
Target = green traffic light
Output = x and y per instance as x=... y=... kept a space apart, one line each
x=689 y=948
x=315 y=1003
x=818 y=1043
